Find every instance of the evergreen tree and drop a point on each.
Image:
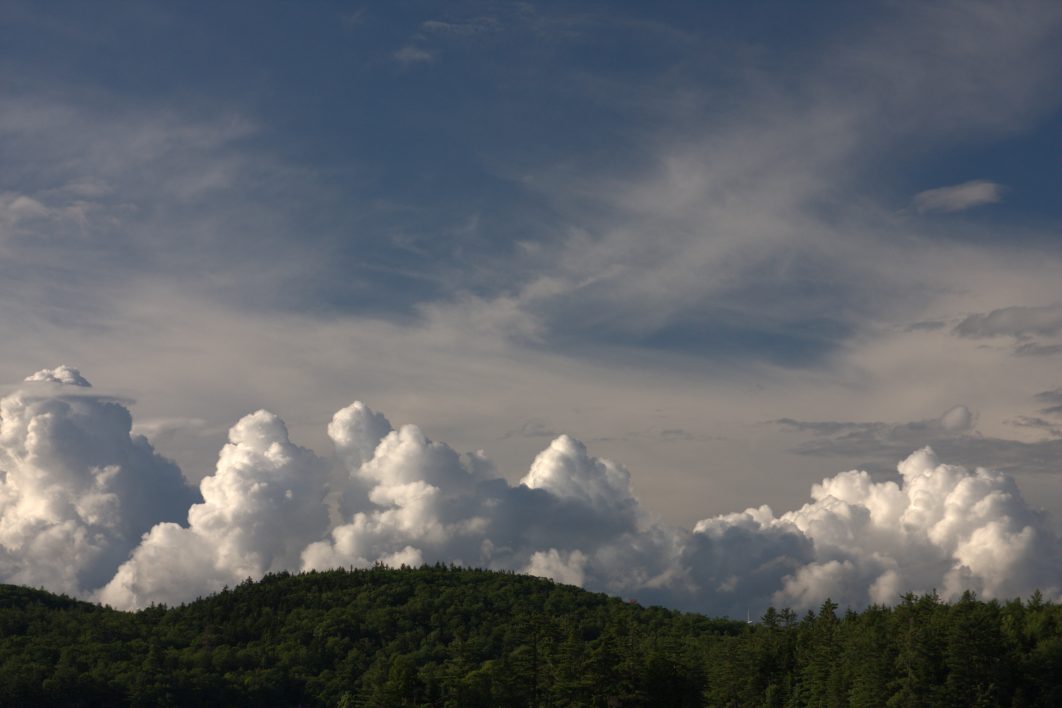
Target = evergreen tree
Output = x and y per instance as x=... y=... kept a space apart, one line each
x=445 y=636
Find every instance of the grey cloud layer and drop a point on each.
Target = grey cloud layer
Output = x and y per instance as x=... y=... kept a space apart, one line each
x=952 y=435
x=879 y=439
x=1054 y=400
x=1014 y=321
x=1031 y=328
x=77 y=491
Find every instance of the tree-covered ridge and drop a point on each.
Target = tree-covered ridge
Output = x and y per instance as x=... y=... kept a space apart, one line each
x=442 y=636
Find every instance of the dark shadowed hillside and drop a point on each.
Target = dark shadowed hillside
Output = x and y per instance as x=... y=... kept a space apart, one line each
x=439 y=636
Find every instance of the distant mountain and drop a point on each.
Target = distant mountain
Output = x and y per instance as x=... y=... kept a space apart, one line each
x=444 y=636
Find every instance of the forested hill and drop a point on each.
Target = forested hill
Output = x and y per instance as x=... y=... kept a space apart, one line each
x=439 y=636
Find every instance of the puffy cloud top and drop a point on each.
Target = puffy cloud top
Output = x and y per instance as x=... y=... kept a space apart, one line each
x=260 y=508
x=957 y=418
x=943 y=528
x=61 y=374
x=356 y=431
x=567 y=471
x=77 y=490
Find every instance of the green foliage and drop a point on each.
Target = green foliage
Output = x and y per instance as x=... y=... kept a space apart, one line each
x=451 y=637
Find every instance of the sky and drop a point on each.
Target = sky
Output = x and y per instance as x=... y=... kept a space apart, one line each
x=673 y=262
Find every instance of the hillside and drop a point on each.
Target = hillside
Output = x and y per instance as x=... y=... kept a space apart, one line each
x=439 y=636
x=382 y=637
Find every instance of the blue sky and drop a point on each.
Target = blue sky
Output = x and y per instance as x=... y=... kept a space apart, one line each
x=661 y=227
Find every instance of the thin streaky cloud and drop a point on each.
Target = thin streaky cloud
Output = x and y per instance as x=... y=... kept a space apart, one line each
x=1014 y=321
x=1037 y=349
x=462 y=28
x=410 y=54
x=959 y=197
x=1051 y=396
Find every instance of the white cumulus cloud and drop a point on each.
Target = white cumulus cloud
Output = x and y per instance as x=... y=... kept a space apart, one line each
x=262 y=505
x=942 y=527
x=61 y=374
x=77 y=491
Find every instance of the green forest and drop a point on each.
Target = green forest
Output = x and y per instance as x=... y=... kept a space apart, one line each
x=447 y=636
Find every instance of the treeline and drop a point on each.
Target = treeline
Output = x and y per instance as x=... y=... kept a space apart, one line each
x=444 y=636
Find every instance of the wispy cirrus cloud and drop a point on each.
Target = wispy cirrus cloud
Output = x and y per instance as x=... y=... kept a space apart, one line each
x=735 y=209
x=411 y=54
x=959 y=197
x=462 y=27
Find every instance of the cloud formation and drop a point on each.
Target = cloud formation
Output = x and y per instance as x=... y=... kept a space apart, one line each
x=1033 y=329
x=86 y=508
x=958 y=197
x=410 y=54
x=262 y=505
x=77 y=489
x=953 y=435
x=941 y=527
x=1053 y=399
x=1018 y=321
x=877 y=438
x=61 y=374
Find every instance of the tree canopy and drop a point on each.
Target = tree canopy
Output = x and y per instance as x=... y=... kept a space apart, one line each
x=447 y=636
